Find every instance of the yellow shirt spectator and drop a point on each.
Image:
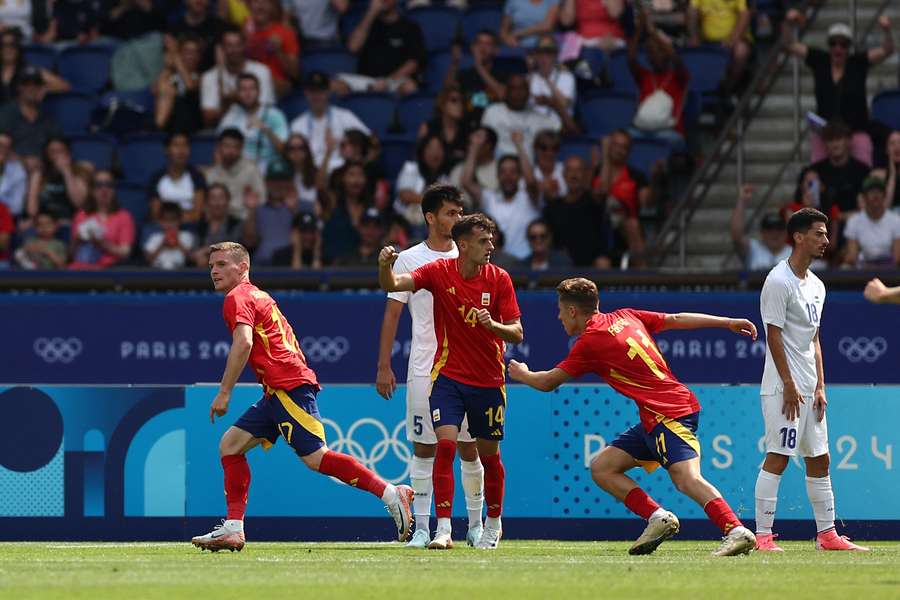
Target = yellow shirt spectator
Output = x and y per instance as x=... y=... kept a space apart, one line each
x=718 y=17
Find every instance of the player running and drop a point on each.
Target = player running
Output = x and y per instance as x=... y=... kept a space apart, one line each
x=475 y=312
x=793 y=384
x=617 y=346
x=288 y=409
x=443 y=207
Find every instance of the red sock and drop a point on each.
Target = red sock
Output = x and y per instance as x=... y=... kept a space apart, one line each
x=350 y=471
x=494 y=481
x=237 y=484
x=721 y=514
x=442 y=478
x=638 y=502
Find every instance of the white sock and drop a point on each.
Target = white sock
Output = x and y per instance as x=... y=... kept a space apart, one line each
x=390 y=494
x=234 y=524
x=766 y=500
x=423 y=488
x=822 y=499
x=493 y=522
x=658 y=513
x=444 y=524
x=473 y=485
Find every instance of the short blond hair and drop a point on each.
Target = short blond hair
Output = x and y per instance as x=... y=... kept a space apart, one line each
x=580 y=292
x=236 y=251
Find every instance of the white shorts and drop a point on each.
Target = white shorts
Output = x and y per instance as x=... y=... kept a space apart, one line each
x=418 y=414
x=805 y=435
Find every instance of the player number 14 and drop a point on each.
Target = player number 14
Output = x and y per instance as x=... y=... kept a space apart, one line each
x=470 y=317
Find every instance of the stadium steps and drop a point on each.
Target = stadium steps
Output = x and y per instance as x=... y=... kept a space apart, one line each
x=769 y=140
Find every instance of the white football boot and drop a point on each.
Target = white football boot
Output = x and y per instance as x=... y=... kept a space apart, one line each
x=221 y=537
x=490 y=538
x=420 y=539
x=442 y=540
x=661 y=526
x=401 y=511
x=739 y=540
x=474 y=534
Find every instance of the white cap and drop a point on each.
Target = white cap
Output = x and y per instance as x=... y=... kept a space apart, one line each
x=840 y=30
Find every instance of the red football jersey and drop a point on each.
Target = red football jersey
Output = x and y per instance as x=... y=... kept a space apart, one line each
x=275 y=356
x=617 y=346
x=467 y=352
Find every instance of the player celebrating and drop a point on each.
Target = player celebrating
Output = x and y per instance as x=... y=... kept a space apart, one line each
x=879 y=293
x=288 y=409
x=442 y=206
x=793 y=383
x=617 y=346
x=475 y=312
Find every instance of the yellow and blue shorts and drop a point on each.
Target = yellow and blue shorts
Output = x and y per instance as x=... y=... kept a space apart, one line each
x=669 y=442
x=291 y=414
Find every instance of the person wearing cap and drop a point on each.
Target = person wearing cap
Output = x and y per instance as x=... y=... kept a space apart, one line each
x=26 y=120
x=873 y=234
x=264 y=127
x=267 y=227
x=772 y=247
x=305 y=251
x=548 y=79
x=840 y=79
x=322 y=118
x=371 y=239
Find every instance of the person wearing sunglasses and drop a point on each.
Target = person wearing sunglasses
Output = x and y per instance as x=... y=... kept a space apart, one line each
x=840 y=80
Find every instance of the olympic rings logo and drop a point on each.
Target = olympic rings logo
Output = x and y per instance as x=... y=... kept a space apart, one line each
x=58 y=350
x=863 y=349
x=385 y=442
x=325 y=348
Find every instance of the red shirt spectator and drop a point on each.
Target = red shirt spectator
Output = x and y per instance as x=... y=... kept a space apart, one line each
x=7 y=227
x=674 y=82
x=273 y=43
x=593 y=20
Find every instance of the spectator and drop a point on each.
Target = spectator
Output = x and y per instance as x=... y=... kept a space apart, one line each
x=391 y=52
x=342 y=210
x=12 y=65
x=129 y=19
x=515 y=205
x=240 y=175
x=727 y=24
x=273 y=43
x=25 y=119
x=177 y=88
x=482 y=83
x=355 y=147
x=102 y=233
x=44 y=250
x=543 y=255
x=547 y=169
x=198 y=22
x=217 y=225
x=306 y=244
x=485 y=165
x=841 y=174
x=178 y=183
x=873 y=234
x=13 y=178
x=75 y=21
x=170 y=248
x=449 y=123
x=663 y=88
x=549 y=79
x=624 y=189
x=592 y=24
x=515 y=115
x=319 y=21
x=371 y=240
x=268 y=227
x=670 y=16
x=840 y=80
x=264 y=127
x=889 y=174
x=579 y=220
x=322 y=117
x=27 y=16
x=299 y=157
x=808 y=193
x=234 y=12
x=429 y=167
x=58 y=185
x=218 y=87
x=7 y=227
x=772 y=247
x=524 y=20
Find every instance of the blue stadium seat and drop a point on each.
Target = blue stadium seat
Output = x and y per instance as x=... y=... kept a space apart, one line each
x=693 y=106
x=350 y=19
x=886 y=108
x=133 y=198
x=329 y=61
x=577 y=146
x=97 y=149
x=620 y=74
x=480 y=17
x=293 y=105
x=375 y=110
x=38 y=55
x=203 y=148
x=86 y=67
x=706 y=65
x=439 y=24
x=602 y=112
x=646 y=152
x=124 y=112
x=596 y=58
x=436 y=69
x=413 y=111
x=141 y=156
x=395 y=152
x=72 y=111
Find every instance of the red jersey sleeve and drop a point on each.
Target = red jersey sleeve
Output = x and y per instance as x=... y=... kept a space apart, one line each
x=506 y=296
x=289 y=43
x=653 y=321
x=238 y=309
x=424 y=276
x=578 y=362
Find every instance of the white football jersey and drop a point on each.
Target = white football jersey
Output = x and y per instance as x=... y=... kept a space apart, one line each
x=421 y=307
x=794 y=305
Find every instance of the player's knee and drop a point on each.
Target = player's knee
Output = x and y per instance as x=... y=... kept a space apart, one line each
x=775 y=463
x=818 y=466
x=229 y=444
x=468 y=451
x=601 y=471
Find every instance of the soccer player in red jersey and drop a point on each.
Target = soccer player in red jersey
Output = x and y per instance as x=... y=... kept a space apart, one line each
x=475 y=313
x=262 y=335
x=617 y=346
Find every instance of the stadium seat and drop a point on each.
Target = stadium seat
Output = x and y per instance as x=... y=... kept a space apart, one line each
x=133 y=198
x=620 y=74
x=329 y=61
x=375 y=110
x=124 y=112
x=596 y=58
x=293 y=105
x=414 y=110
x=142 y=155
x=86 y=67
x=646 y=152
x=602 y=112
x=439 y=24
x=706 y=65
x=203 y=148
x=577 y=146
x=480 y=17
x=38 y=55
x=886 y=108
x=395 y=152
x=72 y=111
x=97 y=149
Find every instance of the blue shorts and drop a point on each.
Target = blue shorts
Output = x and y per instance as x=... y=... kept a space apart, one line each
x=292 y=415
x=450 y=401
x=671 y=441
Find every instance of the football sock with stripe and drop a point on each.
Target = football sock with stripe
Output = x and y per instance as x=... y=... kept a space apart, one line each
x=423 y=488
x=638 y=502
x=473 y=484
x=237 y=485
x=442 y=476
x=766 y=500
x=721 y=514
x=822 y=499
x=494 y=481
x=353 y=473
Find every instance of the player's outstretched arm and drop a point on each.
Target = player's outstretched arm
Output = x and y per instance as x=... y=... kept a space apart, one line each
x=241 y=343
x=387 y=279
x=545 y=381
x=385 y=382
x=879 y=293
x=700 y=321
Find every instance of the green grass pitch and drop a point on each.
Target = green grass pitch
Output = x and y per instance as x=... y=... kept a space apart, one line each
x=518 y=569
